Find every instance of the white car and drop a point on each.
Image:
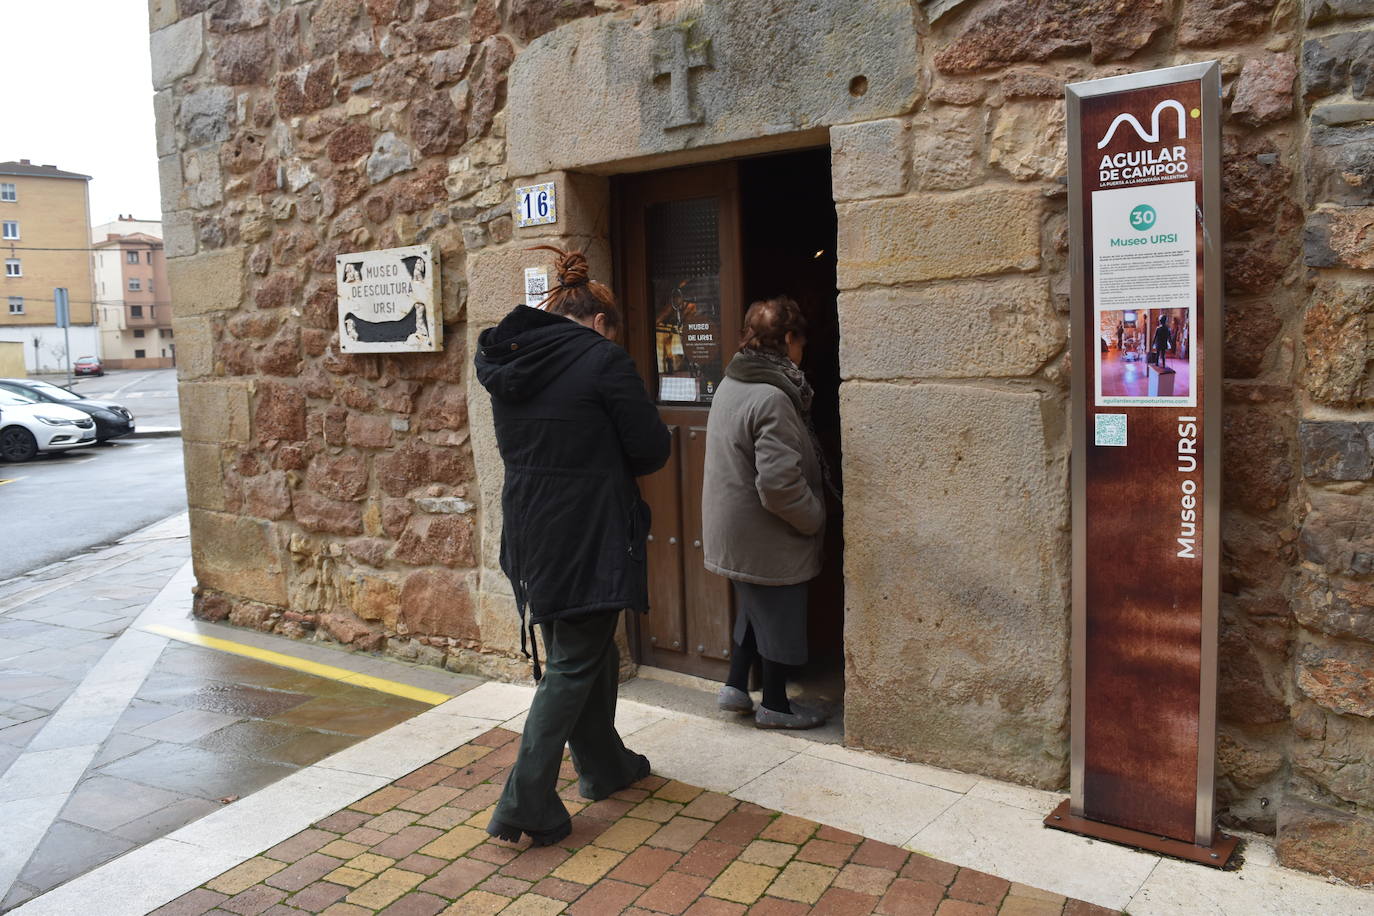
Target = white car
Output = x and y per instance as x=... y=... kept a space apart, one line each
x=27 y=428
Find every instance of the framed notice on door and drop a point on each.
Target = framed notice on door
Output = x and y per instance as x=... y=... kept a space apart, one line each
x=1145 y=228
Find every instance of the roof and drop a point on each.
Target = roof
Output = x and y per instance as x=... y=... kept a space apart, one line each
x=28 y=170
x=130 y=238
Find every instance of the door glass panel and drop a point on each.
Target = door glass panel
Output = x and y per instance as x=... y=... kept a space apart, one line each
x=684 y=286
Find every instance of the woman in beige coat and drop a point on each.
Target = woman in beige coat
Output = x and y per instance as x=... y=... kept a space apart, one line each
x=763 y=507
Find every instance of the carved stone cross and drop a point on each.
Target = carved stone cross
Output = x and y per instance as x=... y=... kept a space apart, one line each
x=676 y=55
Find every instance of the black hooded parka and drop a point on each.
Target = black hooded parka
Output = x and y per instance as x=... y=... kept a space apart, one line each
x=575 y=427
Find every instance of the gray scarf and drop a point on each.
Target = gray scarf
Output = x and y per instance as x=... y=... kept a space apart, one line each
x=768 y=368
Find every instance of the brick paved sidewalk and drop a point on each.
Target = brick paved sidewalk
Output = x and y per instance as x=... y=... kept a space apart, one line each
x=418 y=848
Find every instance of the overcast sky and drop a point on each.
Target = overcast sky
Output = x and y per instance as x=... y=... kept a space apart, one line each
x=79 y=96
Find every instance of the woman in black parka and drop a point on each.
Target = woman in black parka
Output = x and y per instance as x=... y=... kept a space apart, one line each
x=575 y=427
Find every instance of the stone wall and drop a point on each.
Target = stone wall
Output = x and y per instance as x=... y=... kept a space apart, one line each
x=353 y=498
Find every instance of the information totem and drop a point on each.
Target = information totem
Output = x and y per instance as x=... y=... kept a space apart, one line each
x=1145 y=226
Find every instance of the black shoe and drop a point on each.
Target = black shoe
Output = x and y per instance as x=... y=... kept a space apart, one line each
x=641 y=771
x=504 y=831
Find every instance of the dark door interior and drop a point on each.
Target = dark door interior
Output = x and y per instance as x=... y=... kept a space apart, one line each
x=693 y=247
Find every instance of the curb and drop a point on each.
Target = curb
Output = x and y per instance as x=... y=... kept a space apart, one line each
x=156 y=432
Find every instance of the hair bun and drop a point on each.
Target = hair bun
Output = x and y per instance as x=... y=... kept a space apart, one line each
x=572 y=269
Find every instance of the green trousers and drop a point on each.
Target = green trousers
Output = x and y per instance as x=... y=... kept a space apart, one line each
x=574 y=704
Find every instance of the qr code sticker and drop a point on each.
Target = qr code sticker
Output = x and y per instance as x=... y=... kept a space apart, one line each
x=1110 y=430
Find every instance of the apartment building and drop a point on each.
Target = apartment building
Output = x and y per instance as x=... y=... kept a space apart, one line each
x=45 y=237
x=132 y=310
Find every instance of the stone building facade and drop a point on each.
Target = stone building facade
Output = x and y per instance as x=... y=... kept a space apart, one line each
x=354 y=498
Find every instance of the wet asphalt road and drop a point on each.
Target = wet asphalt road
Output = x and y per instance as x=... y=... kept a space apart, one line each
x=61 y=504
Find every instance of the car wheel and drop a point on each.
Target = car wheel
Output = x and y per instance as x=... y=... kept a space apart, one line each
x=17 y=444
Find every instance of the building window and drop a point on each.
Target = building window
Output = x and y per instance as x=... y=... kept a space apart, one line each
x=150 y=286
x=138 y=333
x=16 y=305
x=11 y=229
x=12 y=268
x=131 y=257
x=8 y=192
x=169 y=332
x=139 y=354
x=135 y=284
x=135 y=311
x=150 y=260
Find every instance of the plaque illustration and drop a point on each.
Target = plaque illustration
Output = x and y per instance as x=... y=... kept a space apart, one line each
x=387 y=301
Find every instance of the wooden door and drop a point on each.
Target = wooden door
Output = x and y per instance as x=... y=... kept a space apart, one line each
x=678 y=246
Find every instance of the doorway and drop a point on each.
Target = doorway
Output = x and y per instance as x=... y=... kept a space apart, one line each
x=693 y=248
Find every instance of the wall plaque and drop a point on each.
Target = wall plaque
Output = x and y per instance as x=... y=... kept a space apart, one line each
x=389 y=302
x=1145 y=228
x=536 y=205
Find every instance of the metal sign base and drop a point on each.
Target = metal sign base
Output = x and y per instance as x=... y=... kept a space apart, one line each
x=1216 y=855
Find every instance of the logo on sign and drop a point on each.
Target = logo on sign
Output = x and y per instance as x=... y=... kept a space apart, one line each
x=1151 y=136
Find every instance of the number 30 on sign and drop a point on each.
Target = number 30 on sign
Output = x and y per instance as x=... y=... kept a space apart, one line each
x=536 y=205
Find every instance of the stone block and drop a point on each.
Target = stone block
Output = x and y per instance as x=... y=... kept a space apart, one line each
x=1337 y=62
x=367 y=431
x=1326 y=10
x=1261 y=480
x=374 y=598
x=176 y=50
x=438 y=602
x=496 y=275
x=179 y=233
x=164 y=116
x=1337 y=755
x=204 y=178
x=1015 y=31
x=204 y=475
x=1338 y=334
x=1326 y=840
x=171 y=184
x=326 y=516
x=999 y=328
x=1336 y=449
x=209 y=282
x=868 y=159
x=947 y=148
x=1337 y=539
x=342 y=477
x=162 y=13
x=1338 y=677
x=278 y=412
x=238 y=555
x=689 y=76
x=1212 y=22
x=1340 y=163
x=497 y=618
x=215 y=412
x=390 y=155
x=1340 y=237
x=583 y=206
x=934 y=237
x=195 y=339
x=204 y=115
x=444 y=540
x=1264 y=91
x=956 y=618
x=1028 y=141
x=267 y=495
x=243 y=58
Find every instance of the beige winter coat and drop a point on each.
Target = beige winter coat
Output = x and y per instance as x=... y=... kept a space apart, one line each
x=762 y=502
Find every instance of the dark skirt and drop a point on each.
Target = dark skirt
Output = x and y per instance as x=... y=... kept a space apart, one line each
x=778 y=615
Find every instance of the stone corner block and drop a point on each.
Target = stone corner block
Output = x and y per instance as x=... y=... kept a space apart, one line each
x=204 y=475
x=238 y=555
x=496 y=275
x=162 y=13
x=939 y=236
x=868 y=159
x=176 y=50
x=212 y=281
x=214 y=412
x=965 y=539
x=583 y=202
x=195 y=341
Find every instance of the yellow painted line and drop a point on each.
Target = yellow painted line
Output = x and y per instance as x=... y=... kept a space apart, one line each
x=396 y=688
x=11 y=480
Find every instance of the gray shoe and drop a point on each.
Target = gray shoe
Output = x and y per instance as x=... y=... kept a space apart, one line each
x=732 y=699
x=800 y=717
